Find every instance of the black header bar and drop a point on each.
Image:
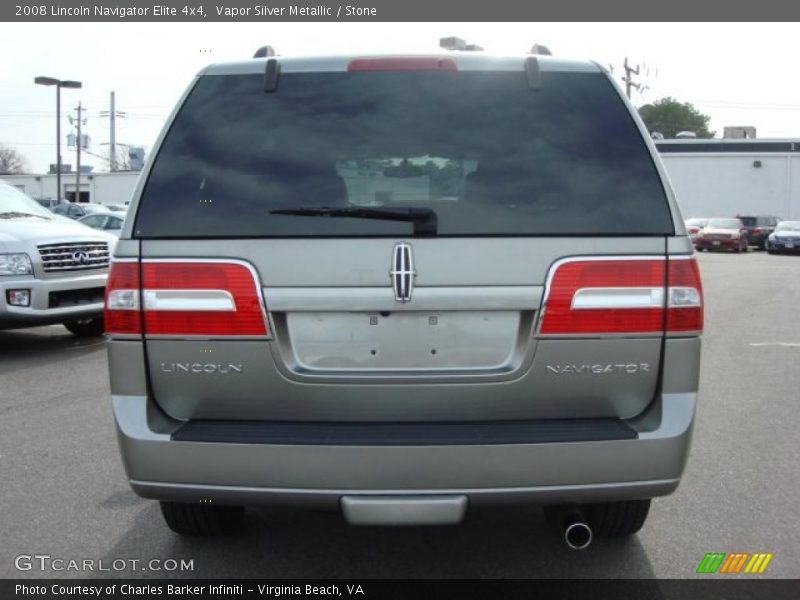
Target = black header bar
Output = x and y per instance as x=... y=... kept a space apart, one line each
x=230 y=11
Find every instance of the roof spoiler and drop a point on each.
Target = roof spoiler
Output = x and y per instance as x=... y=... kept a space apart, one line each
x=532 y=69
x=271 y=73
x=265 y=52
x=533 y=73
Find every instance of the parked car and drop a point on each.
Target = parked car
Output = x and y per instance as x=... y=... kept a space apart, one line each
x=118 y=208
x=48 y=203
x=51 y=271
x=313 y=325
x=785 y=238
x=76 y=210
x=759 y=229
x=106 y=221
x=722 y=234
x=693 y=226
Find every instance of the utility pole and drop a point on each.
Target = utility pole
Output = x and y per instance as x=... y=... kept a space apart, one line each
x=78 y=157
x=112 y=114
x=628 y=79
x=78 y=142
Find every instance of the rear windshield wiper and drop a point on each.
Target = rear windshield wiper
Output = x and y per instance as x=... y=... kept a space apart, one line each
x=424 y=219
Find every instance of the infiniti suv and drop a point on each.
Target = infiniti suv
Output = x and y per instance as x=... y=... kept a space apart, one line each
x=52 y=270
x=401 y=287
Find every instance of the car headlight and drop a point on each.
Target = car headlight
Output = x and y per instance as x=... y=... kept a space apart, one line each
x=15 y=264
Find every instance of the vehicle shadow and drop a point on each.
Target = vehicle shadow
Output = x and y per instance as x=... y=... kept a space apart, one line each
x=36 y=346
x=513 y=543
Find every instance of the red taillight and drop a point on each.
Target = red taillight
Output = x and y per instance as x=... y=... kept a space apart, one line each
x=208 y=299
x=204 y=298
x=403 y=63
x=622 y=296
x=685 y=312
x=122 y=314
x=605 y=296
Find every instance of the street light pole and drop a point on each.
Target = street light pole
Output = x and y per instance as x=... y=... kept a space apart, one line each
x=58 y=143
x=59 y=84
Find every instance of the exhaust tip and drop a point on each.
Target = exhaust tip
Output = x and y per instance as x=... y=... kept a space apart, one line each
x=578 y=535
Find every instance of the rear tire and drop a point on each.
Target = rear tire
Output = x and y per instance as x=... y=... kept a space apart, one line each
x=617 y=519
x=200 y=520
x=86 y=327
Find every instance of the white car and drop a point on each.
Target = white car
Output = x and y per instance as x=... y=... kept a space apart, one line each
x=51 y=271
x=104 y=221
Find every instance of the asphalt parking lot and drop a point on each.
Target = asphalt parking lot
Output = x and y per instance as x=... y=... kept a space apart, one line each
x=65 y=494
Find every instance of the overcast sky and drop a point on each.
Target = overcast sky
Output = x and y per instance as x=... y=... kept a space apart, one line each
x=740 y=74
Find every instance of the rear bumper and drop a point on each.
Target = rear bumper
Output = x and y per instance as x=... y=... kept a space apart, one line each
x=321 y=475
x=702 y=244
x=781 y=247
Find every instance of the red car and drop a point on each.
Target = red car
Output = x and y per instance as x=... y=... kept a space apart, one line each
x=722 y=234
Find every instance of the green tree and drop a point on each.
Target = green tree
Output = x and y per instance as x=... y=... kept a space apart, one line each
x=668 y=116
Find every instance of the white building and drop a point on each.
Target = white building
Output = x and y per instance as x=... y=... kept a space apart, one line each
x=102 y=188
x=719 y=178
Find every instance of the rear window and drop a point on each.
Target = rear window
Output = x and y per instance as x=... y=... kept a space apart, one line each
x=488 y=155
x=724 y=224
x=788 y=226
x=758 y=221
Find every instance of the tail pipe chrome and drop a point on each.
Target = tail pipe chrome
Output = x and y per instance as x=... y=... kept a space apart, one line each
x=577 y=532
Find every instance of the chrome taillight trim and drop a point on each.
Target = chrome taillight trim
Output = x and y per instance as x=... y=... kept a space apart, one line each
x=189 y=300
x=618 y=297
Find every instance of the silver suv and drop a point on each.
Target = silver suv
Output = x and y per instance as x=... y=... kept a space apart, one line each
x=402 y=286
x=52 y=270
